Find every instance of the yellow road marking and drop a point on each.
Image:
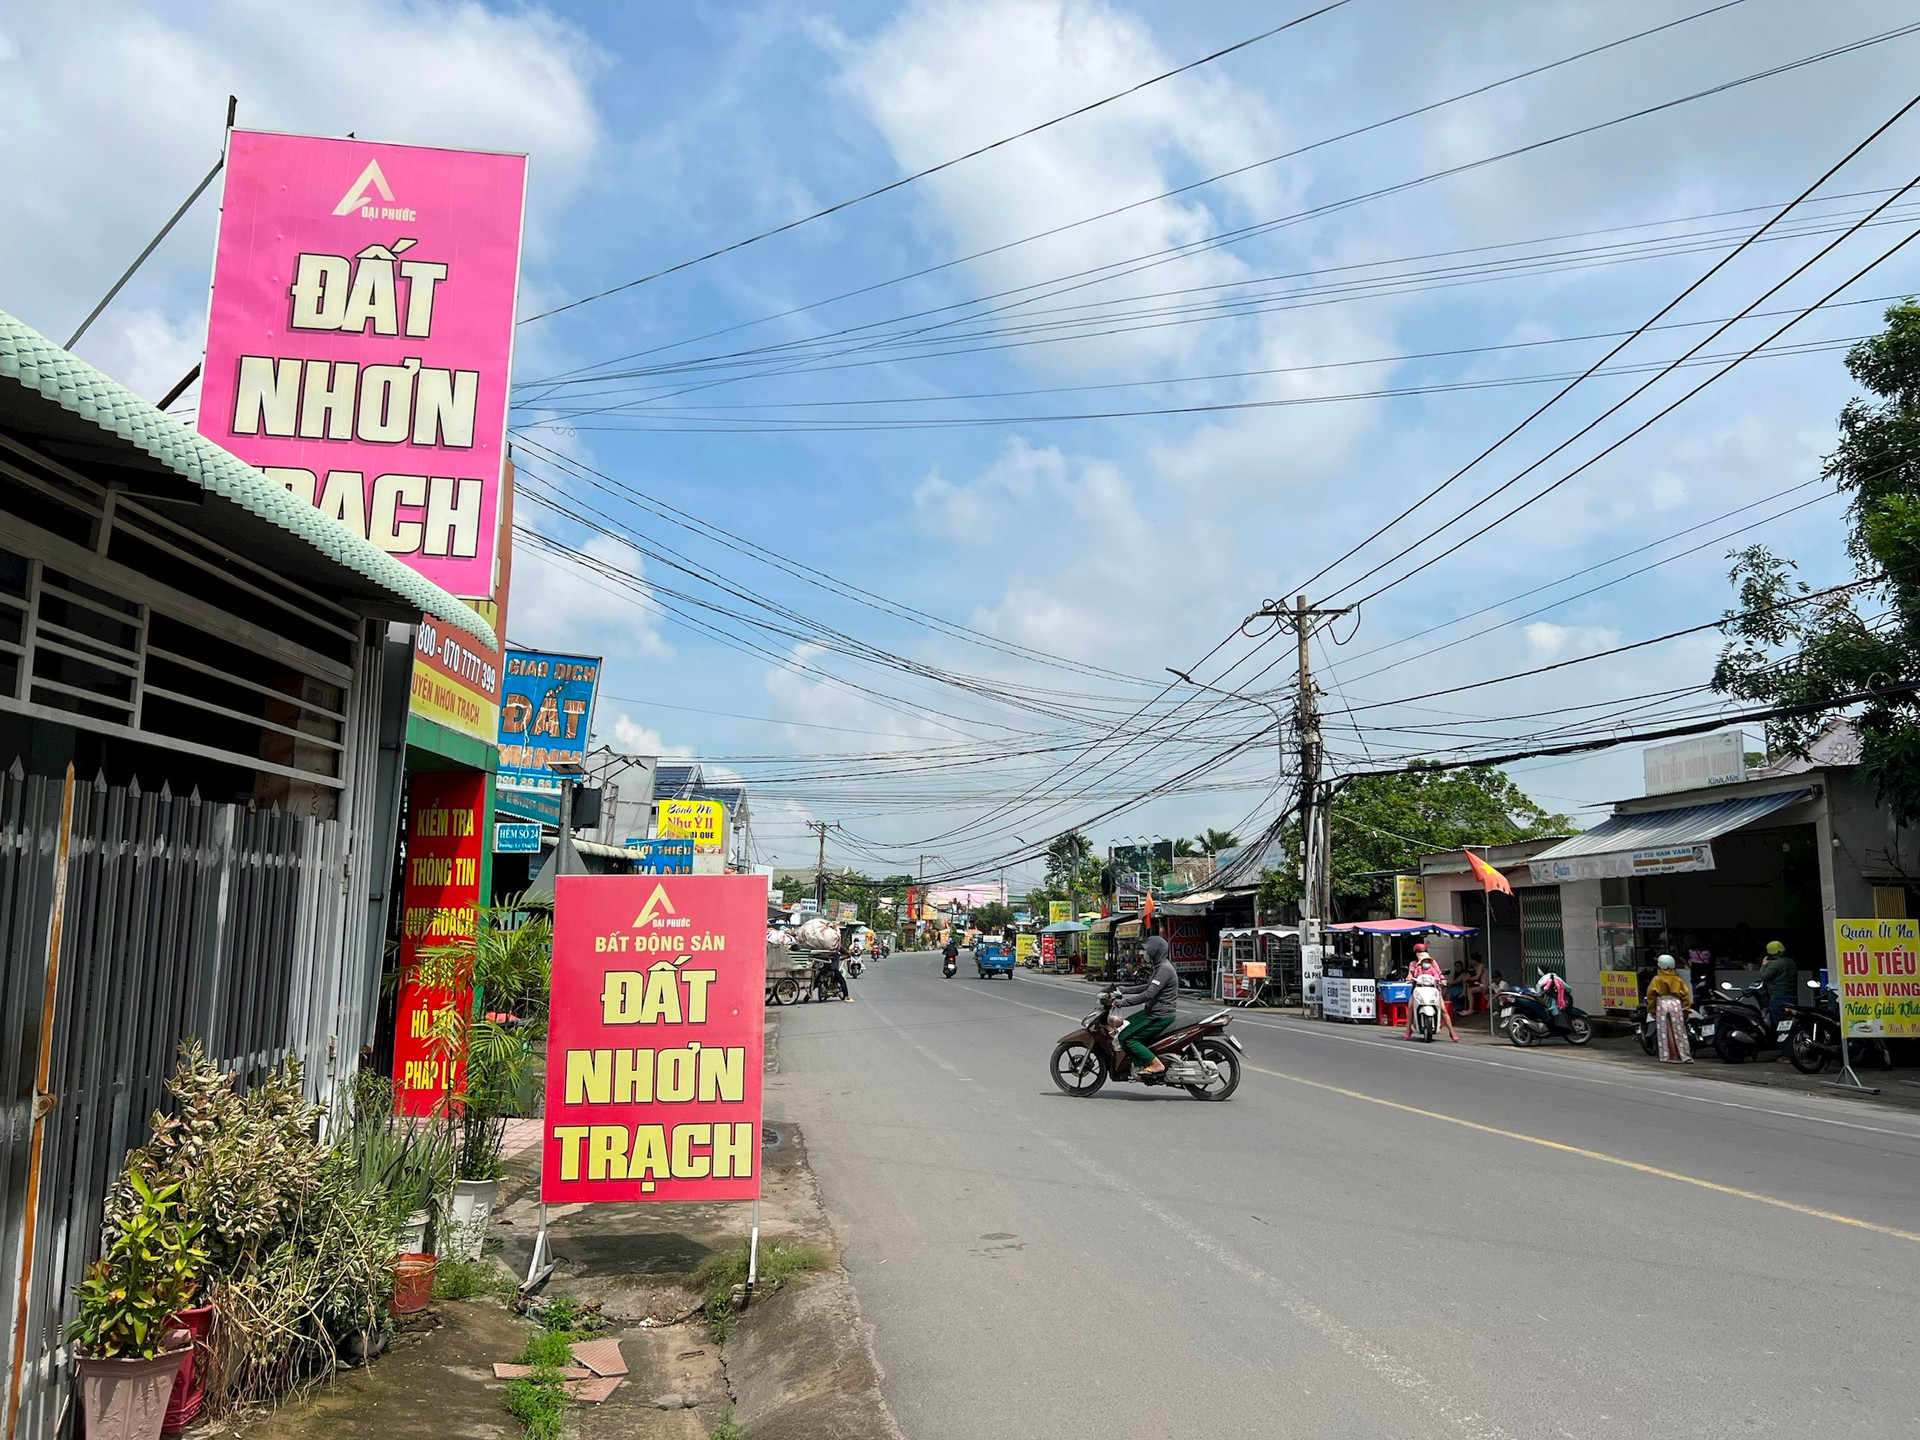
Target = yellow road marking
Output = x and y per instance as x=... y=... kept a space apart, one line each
x=1600 y=1156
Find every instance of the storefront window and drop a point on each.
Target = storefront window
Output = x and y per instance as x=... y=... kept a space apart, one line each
x=1615 y=923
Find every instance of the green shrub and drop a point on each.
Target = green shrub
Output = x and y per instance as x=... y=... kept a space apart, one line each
x=726 y=1427
x=299 y=1252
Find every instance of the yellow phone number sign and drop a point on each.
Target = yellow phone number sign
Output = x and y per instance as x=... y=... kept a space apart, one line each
x=1879 y=976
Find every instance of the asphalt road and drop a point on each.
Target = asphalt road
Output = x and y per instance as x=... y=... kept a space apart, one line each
x=1596 y=1251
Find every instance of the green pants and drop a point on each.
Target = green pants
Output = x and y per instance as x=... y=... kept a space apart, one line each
x=1141 y=1029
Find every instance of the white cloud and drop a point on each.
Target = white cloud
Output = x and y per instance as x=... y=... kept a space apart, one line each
x=946 y=75
x=1547 y=641
x=559 y=605
x=631 y=738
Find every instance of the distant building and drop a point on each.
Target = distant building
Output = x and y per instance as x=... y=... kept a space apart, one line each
x=689 y=782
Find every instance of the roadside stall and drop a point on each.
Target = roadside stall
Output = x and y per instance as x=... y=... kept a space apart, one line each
x=1260 y=966
x=1099 y=947
x=1063 y=946
x=1128 y=936
x=1359 y=983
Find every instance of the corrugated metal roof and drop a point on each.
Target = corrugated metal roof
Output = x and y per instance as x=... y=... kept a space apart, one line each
x=1683 y=825
x=36 y=362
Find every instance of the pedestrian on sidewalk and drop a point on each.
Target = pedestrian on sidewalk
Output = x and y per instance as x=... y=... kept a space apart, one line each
x=1668 y=995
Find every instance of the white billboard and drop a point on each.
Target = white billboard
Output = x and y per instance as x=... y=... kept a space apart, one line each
x=1719 y=759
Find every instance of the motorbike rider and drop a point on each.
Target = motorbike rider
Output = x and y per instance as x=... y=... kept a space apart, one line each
x=1156 y=1001
x=1425 y=964
x=950 y=952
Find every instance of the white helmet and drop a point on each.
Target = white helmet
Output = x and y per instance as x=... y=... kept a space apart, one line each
x=1665 y=962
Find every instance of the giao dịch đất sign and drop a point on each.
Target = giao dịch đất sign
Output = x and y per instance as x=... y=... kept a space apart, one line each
x=654 y=1038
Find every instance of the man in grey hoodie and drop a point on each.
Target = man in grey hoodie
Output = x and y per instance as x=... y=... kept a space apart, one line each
x=1156 y=1000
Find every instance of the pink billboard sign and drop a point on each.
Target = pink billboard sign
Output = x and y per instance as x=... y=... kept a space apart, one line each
x=360 y=338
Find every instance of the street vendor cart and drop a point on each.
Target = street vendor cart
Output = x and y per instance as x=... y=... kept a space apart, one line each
x=1260 y=966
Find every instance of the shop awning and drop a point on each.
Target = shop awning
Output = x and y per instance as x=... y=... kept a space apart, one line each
x=1198 y=900
x=1656 y=842
x=1403 y=927
x=1065 y=927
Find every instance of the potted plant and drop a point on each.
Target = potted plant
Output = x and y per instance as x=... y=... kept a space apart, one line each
x=501 y=975
x=128 y=1356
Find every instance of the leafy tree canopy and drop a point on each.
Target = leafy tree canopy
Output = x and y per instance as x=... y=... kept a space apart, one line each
x=1783 y=650
x=1382 y=824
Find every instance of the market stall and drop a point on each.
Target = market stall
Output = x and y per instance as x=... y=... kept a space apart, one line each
x=1063 y=946
x=1359 y=985
x=1260 y=966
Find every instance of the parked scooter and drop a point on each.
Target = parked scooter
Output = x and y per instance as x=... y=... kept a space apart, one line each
x=1813 y=1036
x=1699 y=1030
x=1529 y=1021
x=1426 y=1007
x=1201 y=1057
x=1741 y=1029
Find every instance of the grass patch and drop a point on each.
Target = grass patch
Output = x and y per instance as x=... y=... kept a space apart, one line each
x=548 y=1349
x=538 y=1402
x=463 y=1279
x=726 y=1427
x=725 y=1270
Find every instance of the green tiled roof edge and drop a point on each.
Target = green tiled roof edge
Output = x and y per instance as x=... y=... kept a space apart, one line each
x=77 y=387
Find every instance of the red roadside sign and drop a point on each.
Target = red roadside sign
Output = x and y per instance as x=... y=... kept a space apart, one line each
x=654 y=1038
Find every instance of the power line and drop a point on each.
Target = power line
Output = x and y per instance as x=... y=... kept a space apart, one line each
x=892 y=185
x=1657 y=316
x=1651 y=420
x=1120 y=269
x=1183 y=189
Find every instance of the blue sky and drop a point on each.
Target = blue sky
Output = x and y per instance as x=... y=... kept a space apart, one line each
x=1114 y=546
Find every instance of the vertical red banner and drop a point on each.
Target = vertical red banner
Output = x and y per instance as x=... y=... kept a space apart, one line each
x=445 y=820
x=654 y=1038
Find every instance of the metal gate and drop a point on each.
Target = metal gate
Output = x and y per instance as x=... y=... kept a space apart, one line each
x=146 y=918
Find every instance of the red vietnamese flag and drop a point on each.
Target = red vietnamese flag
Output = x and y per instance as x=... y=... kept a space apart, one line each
x=1490 y=879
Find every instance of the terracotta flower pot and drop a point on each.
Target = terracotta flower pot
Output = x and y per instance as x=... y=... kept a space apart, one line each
x=127 y=1399
x=189 y=1387
x=412 y=1282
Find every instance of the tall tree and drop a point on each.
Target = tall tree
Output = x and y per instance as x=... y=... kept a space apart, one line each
x=1071 y=867
x=1214 y=841
x=1784 y=650
x=1382 y=824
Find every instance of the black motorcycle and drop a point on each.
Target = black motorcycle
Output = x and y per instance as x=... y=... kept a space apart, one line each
x=950 y=964
x=827 y=983
x=1529 y=1020
x=1741 y=1025
x=1813 y=1036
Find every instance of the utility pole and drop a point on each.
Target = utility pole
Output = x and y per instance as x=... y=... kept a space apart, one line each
x=820 y=828
x=1316 y=869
